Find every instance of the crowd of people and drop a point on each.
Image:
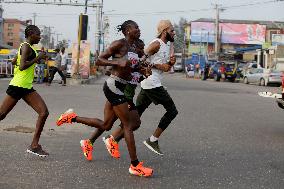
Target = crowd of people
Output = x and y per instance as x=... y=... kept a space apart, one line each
x=132 y=64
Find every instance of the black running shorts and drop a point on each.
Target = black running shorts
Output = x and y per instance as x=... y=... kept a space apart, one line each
x=18 y=92
x=113 y=98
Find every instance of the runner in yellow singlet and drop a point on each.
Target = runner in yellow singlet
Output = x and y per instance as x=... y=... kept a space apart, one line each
x=21 y=86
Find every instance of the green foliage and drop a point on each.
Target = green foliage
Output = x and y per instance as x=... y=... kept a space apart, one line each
x=180 y=34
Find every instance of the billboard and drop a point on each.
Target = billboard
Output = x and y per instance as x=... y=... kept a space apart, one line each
x=277 y=39
x=84 y=59
x=230 y=33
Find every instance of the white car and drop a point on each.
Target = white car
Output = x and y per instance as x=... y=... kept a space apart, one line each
x=68 y=68
x=263 y=77
x=178 y=67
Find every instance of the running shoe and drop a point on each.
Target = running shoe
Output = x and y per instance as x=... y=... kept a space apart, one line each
x=87 y=149
x=38 y=151
x=154 y=146
x=112 y=146
x=66 y=117
x=139 y=170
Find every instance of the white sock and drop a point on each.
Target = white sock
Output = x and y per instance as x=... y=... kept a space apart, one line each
x=153 y=139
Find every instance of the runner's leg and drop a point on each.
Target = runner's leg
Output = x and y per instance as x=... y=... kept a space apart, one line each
x=37 y=103
x=7 y=105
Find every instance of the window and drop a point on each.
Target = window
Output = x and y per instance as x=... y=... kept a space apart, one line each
x=10 y=25
x=10 y=34
x=260 y=71
x=10 y=43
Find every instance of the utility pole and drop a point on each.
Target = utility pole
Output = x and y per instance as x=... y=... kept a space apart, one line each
x=98 y=28
x=217 y=32
x=57 y=35
x=34 y=16
x=86 y=6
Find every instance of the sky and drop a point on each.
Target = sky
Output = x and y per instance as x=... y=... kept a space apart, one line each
x=147 y=13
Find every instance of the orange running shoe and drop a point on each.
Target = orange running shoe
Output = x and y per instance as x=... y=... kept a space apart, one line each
x=87 y=149
x=112 y=147
x=139 y=170
x=66 y=117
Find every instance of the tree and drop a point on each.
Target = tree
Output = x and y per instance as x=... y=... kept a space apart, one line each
x=63 y=43
x=180 y=34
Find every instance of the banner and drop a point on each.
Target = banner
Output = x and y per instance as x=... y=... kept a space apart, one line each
x=277 y=39
x=84 y=60
x=230 y=33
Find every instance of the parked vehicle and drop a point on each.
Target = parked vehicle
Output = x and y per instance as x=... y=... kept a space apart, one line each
x=178 y=65
x=247 y=67
x=214 y=71
x=263 y=77
x=230 y=71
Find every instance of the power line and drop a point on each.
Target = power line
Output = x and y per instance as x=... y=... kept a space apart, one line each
x=192 y=10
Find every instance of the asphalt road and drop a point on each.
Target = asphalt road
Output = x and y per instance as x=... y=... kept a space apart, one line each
x=225 y=136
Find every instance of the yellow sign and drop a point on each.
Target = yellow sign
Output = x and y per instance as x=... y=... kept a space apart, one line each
x=5 y=51
x=266 y=45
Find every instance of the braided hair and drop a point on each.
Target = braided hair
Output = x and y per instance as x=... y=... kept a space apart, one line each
x=30 y=29
x=139 y=43
x=123 y=27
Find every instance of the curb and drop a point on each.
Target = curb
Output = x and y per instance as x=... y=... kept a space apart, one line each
x=91 y=80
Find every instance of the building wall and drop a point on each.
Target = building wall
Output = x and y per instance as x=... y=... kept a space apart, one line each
x=1 y=25
x=14 y=32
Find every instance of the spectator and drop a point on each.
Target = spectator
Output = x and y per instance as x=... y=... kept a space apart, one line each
x=56 y=68
x=40 y=69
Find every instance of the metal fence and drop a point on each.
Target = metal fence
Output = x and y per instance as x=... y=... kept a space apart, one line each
x=6 y=68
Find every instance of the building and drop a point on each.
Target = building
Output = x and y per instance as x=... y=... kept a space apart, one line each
x=1 y=25
x=240 y=37
x=14 y=32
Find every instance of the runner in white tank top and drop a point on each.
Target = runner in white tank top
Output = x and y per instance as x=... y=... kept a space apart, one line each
x=152 y=90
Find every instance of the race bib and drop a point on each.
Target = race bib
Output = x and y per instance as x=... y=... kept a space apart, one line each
x=133 y=57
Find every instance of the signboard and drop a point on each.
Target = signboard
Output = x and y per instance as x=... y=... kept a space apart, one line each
x=84 y=60
x=230 y=33
x=277 y=39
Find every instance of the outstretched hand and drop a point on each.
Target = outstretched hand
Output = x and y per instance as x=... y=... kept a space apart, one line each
x=42 y=55
x=172 y=60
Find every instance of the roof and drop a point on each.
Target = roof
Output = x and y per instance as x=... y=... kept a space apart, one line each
x=13 y=20
x=269 y=24
x=4 y=46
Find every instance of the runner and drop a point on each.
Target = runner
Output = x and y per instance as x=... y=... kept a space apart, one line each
x=152 y=89
x=21 y=86
x=110 y=141
x=124 y=54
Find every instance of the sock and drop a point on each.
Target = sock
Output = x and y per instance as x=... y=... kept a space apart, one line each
x=135 y=162
x=153 y=139
x=92 y=141
x=73 y=119
x=108 y=136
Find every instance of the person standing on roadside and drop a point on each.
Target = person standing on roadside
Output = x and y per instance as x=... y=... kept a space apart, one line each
x=64 y=57
x=40 y=69
x=56 y=68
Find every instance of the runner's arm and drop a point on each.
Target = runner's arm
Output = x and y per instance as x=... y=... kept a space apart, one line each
x=152 y=49
x=14 y=61
x=25 y=52
x=113 y=48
